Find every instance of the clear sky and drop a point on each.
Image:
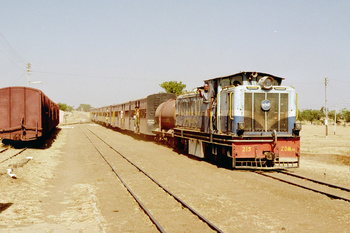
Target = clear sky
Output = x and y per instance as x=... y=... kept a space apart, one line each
x=103 y=52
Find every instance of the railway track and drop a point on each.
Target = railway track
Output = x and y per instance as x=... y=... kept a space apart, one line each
x=164 y=209
x=330 y=190
x=3 y=150
x=8 y=154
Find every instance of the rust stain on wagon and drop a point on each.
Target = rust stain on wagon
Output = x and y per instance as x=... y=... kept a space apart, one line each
x=26 y=113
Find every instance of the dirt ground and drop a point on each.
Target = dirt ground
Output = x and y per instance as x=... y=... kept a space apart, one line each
x=326 y=157
x=67 y=187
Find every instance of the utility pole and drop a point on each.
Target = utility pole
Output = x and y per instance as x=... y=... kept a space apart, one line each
x=326 y=107
x=335 y=119
x=29 y=66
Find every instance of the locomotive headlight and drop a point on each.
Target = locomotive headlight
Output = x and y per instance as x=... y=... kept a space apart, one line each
x=266 y=82
x=240 y=128
x=297 y=128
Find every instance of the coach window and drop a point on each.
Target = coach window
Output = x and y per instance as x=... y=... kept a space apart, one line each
x=187 y=108
x=194 y=107
x=183 y=108
x=236 y=81
x=224 y=82
x=198 y=105
x=180 y=108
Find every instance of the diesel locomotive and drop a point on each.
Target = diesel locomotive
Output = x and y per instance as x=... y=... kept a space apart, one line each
x=252 y=121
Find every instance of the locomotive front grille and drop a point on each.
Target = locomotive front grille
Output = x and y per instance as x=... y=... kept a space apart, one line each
x=274 y=118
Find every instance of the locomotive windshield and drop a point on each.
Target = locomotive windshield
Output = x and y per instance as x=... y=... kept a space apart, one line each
x=243 y=78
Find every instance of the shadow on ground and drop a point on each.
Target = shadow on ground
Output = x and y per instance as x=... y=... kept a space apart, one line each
x=4 y=206
x=44 y=142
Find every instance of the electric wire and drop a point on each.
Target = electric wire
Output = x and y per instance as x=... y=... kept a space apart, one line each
x=11 y=51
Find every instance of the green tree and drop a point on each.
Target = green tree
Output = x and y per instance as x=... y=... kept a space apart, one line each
x=331 y=114
x=84 y=107
x=345 y=115
x=311 y=115
x=65 y=107
x=173 y=87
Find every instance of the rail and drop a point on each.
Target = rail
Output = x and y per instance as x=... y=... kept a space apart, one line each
x=309 y=188
x=12 y=155
x=212 y=226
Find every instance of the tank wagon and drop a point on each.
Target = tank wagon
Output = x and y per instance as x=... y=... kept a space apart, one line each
x=137 y=116
x=253 y=123
x=26 y=114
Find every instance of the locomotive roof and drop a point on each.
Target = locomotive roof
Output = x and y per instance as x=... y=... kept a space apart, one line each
x=247 y=74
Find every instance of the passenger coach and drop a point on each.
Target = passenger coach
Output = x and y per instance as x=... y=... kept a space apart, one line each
x=137 y=115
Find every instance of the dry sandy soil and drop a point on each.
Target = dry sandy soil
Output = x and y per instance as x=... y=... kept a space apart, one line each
x=326 y=156
x=67 y=187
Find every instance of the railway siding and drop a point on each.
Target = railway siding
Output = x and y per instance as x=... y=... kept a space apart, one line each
x=162 y=206
x=67 y=187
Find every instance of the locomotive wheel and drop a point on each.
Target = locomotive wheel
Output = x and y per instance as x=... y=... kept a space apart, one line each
x=208 y=152
x=270 y=163
x=178 y=145
x=156 y=139
x=171 y=142
x=185 y=145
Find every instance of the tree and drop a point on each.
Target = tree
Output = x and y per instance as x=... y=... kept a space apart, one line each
x=65 y=107
x=345 y=114
x=311 y=115
x=331 y=114
x=173 y=87
x=84 y=107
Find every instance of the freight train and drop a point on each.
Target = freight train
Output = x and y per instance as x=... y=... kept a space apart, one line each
x=26 y=114
x=137 y=115
x=251 y=121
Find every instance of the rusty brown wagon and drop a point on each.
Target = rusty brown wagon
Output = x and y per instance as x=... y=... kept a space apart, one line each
x=26 y=114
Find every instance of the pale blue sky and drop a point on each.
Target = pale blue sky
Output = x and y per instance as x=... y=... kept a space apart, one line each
x=105 y=52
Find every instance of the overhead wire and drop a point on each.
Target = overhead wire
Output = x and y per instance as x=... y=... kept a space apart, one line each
x=11 y=59
x=337 y=80
x=11 y=51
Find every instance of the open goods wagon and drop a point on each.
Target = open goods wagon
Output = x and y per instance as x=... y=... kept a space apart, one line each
x=26 y=114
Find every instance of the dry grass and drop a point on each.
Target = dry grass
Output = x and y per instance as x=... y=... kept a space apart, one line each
x=314 y=141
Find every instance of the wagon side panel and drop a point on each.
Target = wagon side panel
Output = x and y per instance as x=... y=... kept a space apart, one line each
x=5 y=122
x=33 y=113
